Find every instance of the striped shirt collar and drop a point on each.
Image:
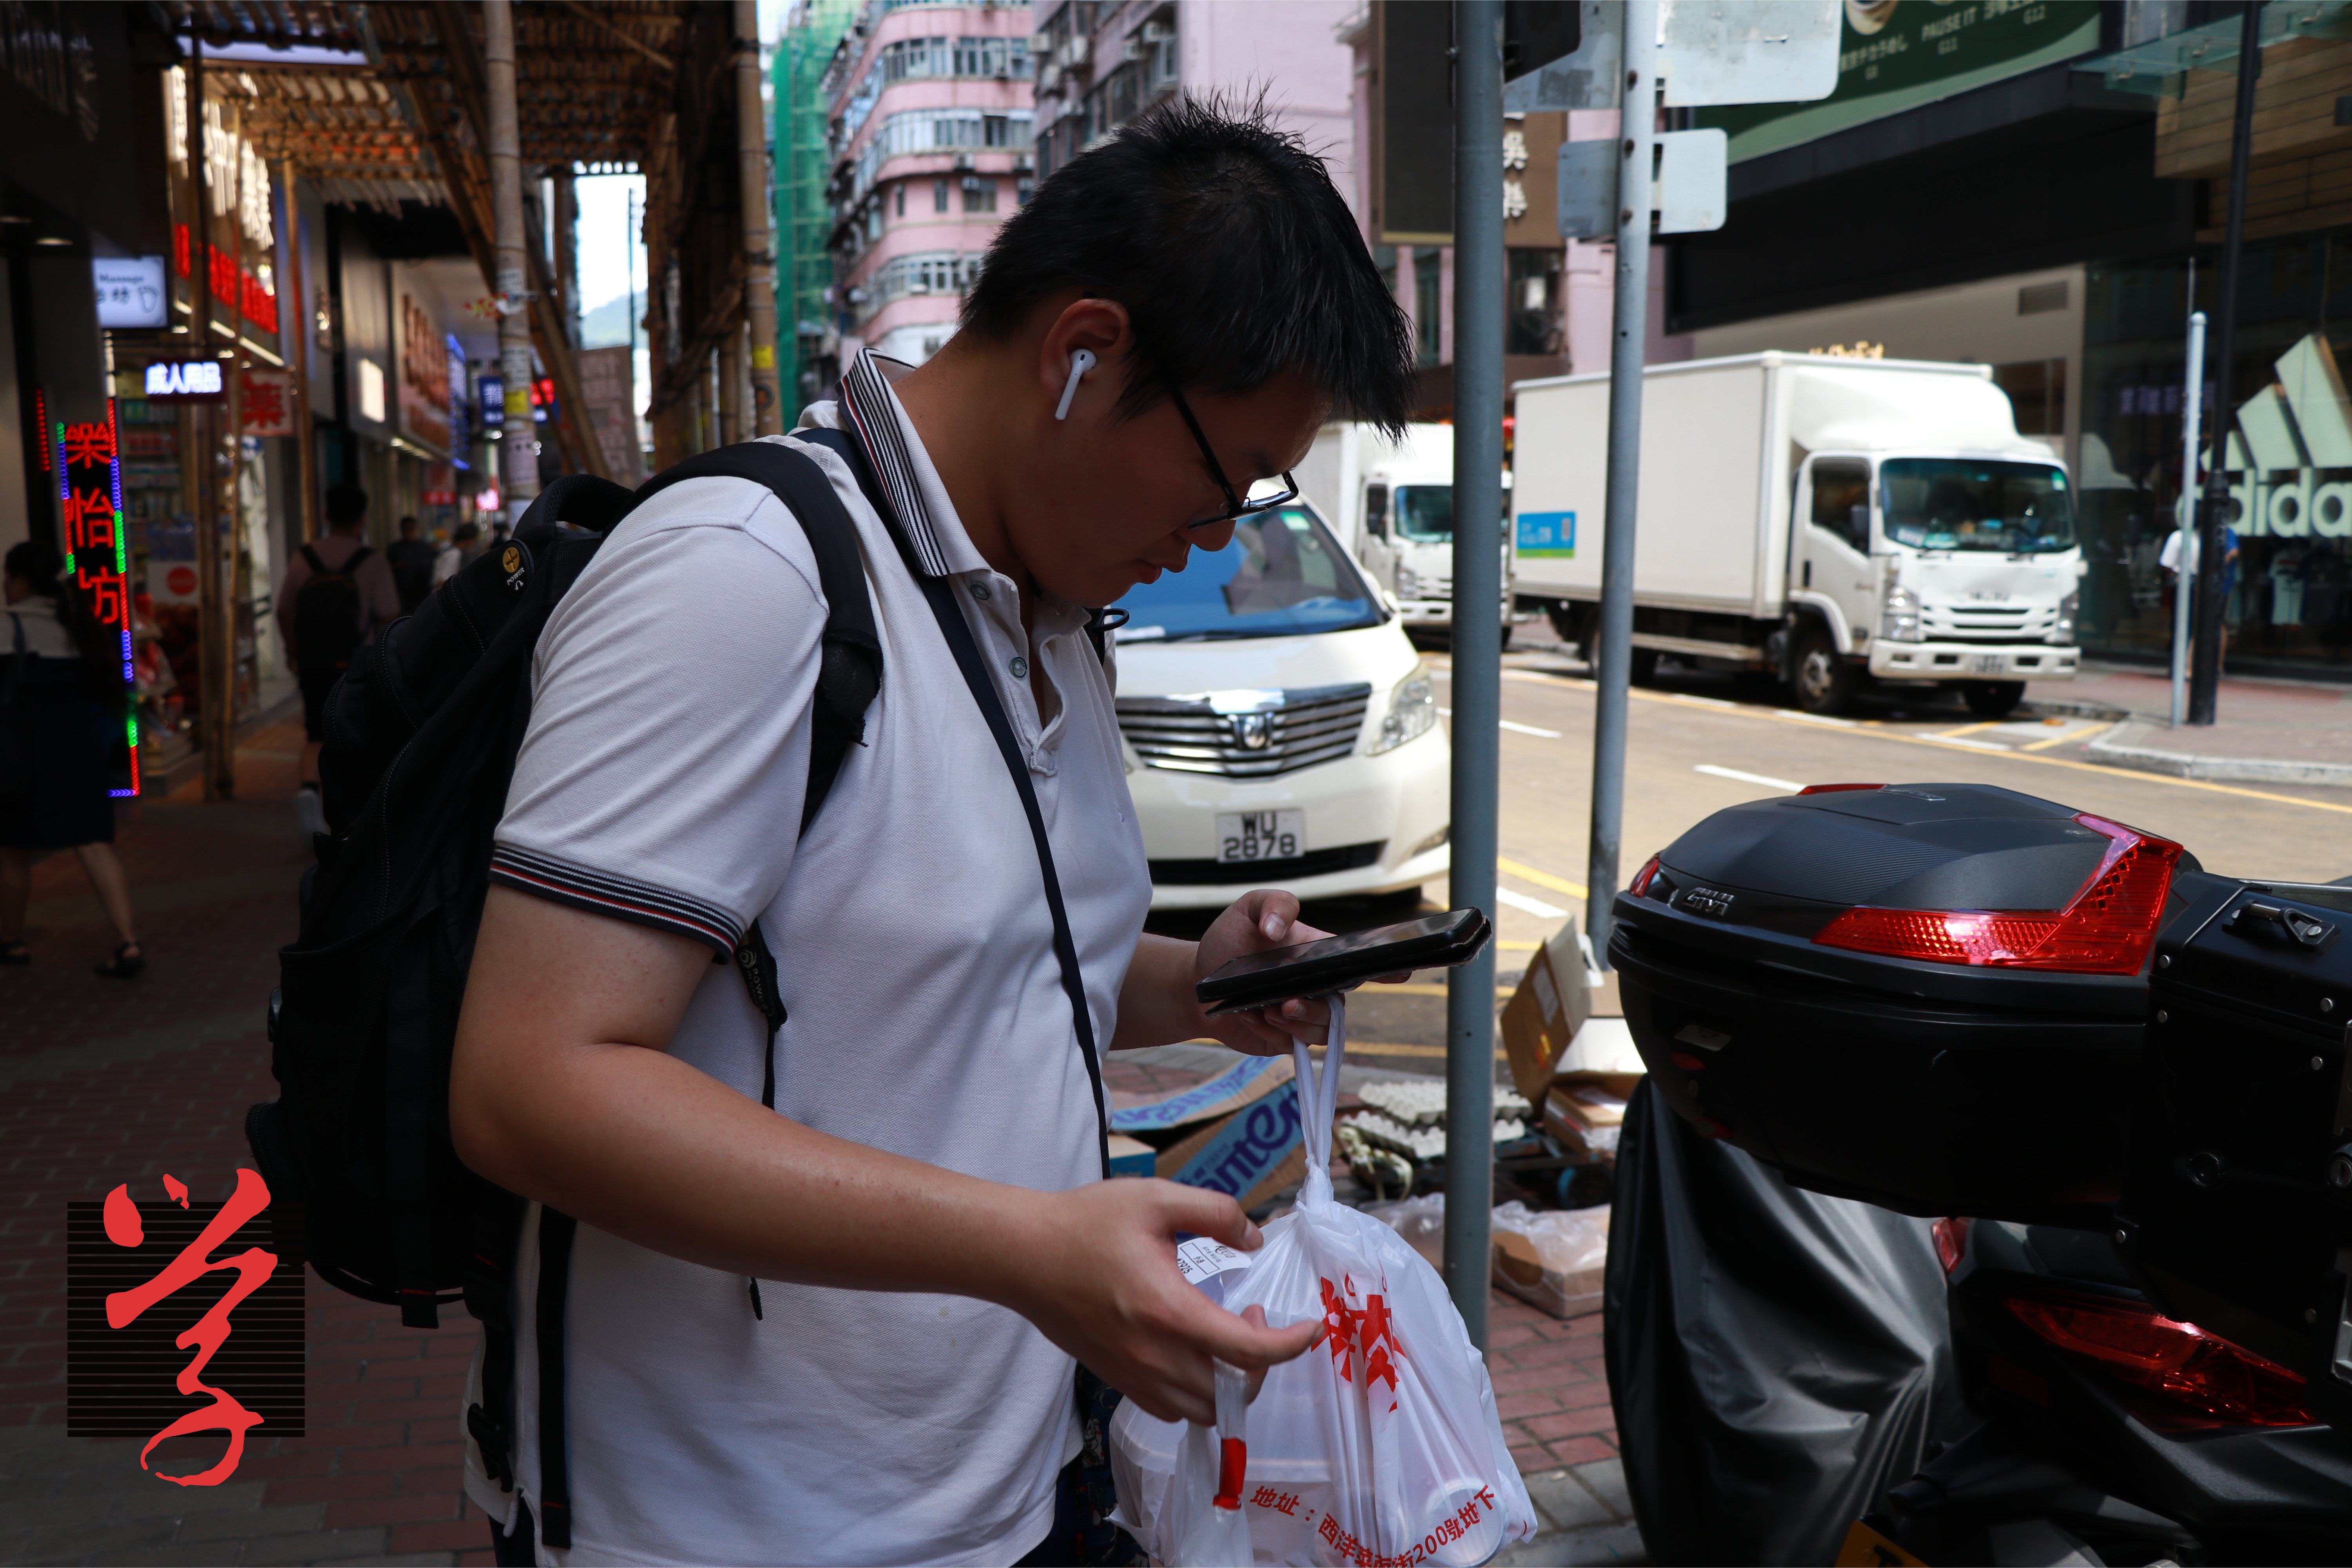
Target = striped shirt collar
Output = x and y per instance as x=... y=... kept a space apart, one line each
x=871 y=411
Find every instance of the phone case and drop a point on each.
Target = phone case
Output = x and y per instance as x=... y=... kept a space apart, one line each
x=1339 y=964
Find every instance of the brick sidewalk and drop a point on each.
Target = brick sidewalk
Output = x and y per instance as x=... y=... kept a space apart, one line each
x=107 y=1082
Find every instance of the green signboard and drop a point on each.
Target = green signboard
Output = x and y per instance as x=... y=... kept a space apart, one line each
x=1896 y=55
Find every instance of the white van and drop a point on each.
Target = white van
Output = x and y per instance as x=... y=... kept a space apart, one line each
x=1278 y=726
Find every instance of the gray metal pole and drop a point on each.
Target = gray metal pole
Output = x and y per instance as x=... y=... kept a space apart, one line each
x=2212 y=564
x=1477 y=639
x=1614 y=656
x=2192 y=417
x=518 y=462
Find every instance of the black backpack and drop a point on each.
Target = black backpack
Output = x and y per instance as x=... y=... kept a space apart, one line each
x=327 y=611
x=421 y=738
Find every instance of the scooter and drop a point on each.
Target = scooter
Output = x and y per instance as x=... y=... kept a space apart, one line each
x=2112 y=1434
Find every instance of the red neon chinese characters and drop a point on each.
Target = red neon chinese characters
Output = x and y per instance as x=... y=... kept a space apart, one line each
x=107 y=604
x=88 y=445
x=211 y=1332
x=89 y=521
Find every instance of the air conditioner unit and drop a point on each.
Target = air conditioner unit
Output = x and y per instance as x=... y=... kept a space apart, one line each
x=1074 y=51
x=1131 y=47
x=963 y=160
x=1024 y=164
x=1159 y=32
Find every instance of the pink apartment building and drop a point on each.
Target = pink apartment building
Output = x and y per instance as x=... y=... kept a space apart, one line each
x=929 y=113
x=1101 y=62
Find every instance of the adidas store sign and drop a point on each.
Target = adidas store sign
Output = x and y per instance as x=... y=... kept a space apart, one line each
x=2298 y=432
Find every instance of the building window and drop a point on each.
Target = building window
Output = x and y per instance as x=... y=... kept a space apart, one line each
x=979 y=195
x=935 y=272
x=939 y=195
x=1384 y=257
x=1425 y=297
x=898 y=200
x=1007 y=58
x=1021 y=189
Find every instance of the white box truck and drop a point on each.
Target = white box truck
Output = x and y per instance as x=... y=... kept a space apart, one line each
x=1392 y=505
x=1828 y=520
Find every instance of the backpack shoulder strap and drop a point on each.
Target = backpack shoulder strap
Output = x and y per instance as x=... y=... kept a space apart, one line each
x=318 y=567
x=849 y=671
x=352 y=561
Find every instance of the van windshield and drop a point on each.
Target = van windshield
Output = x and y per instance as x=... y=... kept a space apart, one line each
x=1282 y=574
x=1958 y=503
x=1424 y=513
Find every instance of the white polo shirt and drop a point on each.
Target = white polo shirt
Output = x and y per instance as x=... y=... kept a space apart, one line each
x=661 y=781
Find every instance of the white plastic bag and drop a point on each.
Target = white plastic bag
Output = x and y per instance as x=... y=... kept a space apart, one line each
x=1379 y=1447
x=1552 y=1257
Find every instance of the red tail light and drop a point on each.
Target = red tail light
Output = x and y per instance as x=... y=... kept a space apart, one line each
x=1641 y=877
x=2107 y=929
x=1835 y=789
x=1951 y=1241
x=2181 y=1362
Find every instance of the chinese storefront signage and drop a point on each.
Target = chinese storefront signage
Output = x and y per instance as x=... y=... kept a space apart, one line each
x=185 y=380
x=90 y=484
x=423 y=375
x=130 y=291
x=268 y=402
x=249 y=296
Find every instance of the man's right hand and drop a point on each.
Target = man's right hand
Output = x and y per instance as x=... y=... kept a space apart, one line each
x=1096 y=1271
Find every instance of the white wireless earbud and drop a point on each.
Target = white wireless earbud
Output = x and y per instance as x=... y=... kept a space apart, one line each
x=1081 y=362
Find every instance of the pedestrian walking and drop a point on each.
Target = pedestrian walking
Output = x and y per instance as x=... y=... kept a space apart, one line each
x=2178 y=560
x=460 y=550
x=411 y=558
x=337 y=595
x=1167 y=321
x=55 y=741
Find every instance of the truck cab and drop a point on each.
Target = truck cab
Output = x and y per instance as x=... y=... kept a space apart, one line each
x=1933 y=566
x=1392 y=504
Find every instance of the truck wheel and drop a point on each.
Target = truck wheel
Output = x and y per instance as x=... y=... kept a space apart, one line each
x=1992 y=698
x=1565 y=623
x=1645 y=665
x=1825 y=681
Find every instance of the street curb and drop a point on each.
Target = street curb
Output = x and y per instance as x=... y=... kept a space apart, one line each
x=2120 y=747
x=2069 y=707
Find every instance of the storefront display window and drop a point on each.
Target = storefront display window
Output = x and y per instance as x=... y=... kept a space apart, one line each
x=2290 y=464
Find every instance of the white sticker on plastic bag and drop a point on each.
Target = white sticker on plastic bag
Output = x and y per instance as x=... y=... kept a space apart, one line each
x=1200 y=1257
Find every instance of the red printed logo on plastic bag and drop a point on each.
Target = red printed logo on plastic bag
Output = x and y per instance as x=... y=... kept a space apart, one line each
x=1368 y=1331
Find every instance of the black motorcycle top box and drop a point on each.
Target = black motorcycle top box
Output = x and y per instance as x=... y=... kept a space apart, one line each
x=1928 y=997
x=2236 y=1211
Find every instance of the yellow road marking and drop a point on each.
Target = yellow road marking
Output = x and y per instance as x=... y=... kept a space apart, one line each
x=1368 y=1049
x=1417 y=988
x=1540 y=879
x=1969 y=729
x=2062 y=740
x=1520 y=946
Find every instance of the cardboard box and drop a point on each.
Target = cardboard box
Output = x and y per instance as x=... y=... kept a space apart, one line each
x=1251 y=1154
x=1132 y=1157
x=1554 y=1001
x=1153 y=1117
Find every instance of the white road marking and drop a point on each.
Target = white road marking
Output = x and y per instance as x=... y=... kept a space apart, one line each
x=1535 y=907
x=1505 y=723
x=1747 y=778
x=1816 y=718
x=1970 y=741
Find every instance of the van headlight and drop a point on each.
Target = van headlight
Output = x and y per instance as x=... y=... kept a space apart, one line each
x=1898 y=617
x=2068 y=608
x=1412 y=710
x=1408 y=582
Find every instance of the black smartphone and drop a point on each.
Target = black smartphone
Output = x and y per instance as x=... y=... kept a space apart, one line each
x=1339 y=962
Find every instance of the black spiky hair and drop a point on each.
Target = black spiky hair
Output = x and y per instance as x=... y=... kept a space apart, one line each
x=1231 y=249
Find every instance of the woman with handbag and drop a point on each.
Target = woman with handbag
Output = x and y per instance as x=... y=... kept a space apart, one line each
x=54 y=741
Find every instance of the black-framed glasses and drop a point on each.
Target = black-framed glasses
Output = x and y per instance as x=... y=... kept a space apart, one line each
x=1235 y=506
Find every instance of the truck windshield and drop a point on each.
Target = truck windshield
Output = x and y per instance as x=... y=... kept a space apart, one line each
x=1424 y=513
x=1958 y=503
x=1282 y=574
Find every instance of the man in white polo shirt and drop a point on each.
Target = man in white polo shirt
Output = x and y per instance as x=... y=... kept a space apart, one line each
x=1168 y=319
